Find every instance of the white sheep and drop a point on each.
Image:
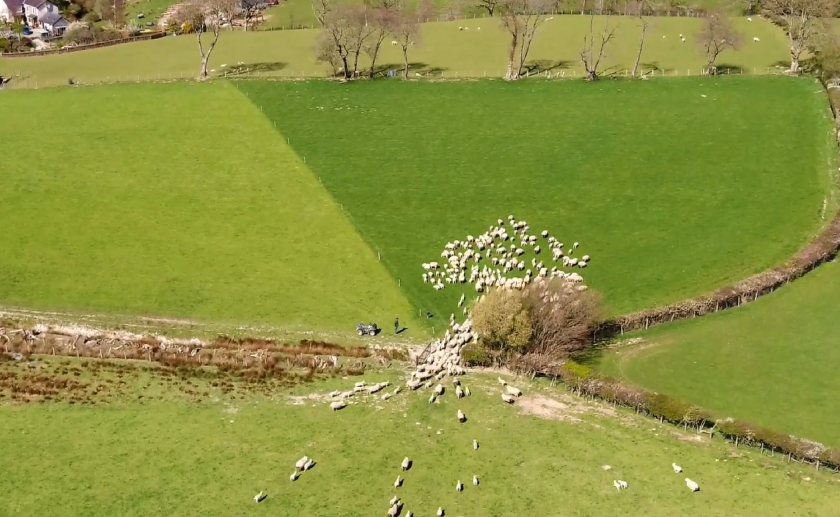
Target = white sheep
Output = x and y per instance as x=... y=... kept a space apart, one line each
x=459 y=392
x=756 y=39
x=433 y=399
x=459 y=487
x=440 y=512
x=620 y=485
x=475 y=445
x=501 y=381
x=544 y=233
x=299 y=464
x=677 y=468
x=516 y=392
x=461 y=416
x=692 y=485
x=475 y=480
x=294 y=476
x=507 y=398
x=260 y=497
x=439 y=389
x=406 y=463
x=398 y=482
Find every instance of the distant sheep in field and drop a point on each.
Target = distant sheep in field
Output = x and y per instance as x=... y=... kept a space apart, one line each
x=260 y=497
x=406 y=463
x=398 y=482
x=337 y=405
x=459 y=487
x=677 y=468
x=475 y=445
x=461 y=416
x=507 y=398
x=294 y=476
x=620 y=484
x=692 y=485
x=475 y=480
x=440 y=512
x=756 y=39
x=516 y=392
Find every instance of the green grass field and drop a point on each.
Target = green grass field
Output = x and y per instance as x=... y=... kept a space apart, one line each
x=151 y=9
x=673 y=186
x=178 y=200
x=771 y=362
x=149 y=446
x=444 y=51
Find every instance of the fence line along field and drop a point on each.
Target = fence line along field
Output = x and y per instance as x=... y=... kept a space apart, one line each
x=671 y=185
x=179 y=200
x=217 y=440
x=771 y=362
x=478 y=50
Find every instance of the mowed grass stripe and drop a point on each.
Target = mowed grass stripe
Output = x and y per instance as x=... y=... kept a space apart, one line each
x=772 y=362
x=672 y=186
x=442 y=49
x=177 y=200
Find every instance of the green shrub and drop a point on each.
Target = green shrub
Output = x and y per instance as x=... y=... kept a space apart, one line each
x=476 y=355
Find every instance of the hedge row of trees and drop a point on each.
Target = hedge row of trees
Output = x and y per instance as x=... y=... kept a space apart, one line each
x=583 y=381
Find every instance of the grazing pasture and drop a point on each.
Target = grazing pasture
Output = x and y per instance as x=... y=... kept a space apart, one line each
x=772 y=362
x=444 y=51
x=672 y=186
x=156 y=441
x=178 y=201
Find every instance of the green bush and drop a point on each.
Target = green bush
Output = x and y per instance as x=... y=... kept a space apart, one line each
x=475 y=355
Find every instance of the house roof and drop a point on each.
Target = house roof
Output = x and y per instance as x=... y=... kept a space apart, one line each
x=34 y=3
x=13 y=5
x=52 y=18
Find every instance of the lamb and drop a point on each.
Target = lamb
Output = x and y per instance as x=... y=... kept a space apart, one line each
x=399 y=481
x=294 y=476
x=475 y=445
x=394 y=500
x=406 y=463
x=440 y=512
x=466 y=391
x=337 y=405
x=260 y=497
x=619 y=484
x=475 y=480
x=507 y=398
x=461 y=416
x=692 y=485
x=459 y=392
x=459 y=487
x=677 y=468
x=516 y=392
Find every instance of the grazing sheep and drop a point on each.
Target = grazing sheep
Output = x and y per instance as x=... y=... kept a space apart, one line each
x=507 y=398
x=620 y=485
x=544 y=233
x=475 y=480
x=309 y=464
x=692 y=485
x=475 y=445
x=433 y=399
x=399 y=481
x=409 y=514
x=461 y=416
x=339 y=404
x=756 y=39
x=260 y=497
x=439 y=389
x=749 y=19
x=394 y=510
x=406 y=463
x=299 y=464
x=295 y=475
x=394 y=500
x=459 y=487
x=501 y=381
x=440 y=512
x=466 y=391
x=677 y=468
x=516 y=392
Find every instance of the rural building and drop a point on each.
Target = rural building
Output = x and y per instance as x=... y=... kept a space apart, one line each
x=35 y=9
x=54 y=23
x=10 y=9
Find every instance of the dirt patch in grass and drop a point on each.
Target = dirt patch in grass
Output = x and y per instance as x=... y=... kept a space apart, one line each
x=564 y=409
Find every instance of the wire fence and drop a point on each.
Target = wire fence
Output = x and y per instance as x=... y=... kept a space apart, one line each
x=21 y=80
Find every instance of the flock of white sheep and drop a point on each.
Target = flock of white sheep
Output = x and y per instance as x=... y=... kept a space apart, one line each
x=497 y=258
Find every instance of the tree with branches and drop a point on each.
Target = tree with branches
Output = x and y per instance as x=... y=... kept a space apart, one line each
x=488 y=5
x=206 y=18
x=803 y=21
x=595 y=47
x=520 y=19
x=321 y=8
x=346 y=31
x=640 y=8
x=407 y=34
x=249 y=9
x=382 y=20
x=716 y=35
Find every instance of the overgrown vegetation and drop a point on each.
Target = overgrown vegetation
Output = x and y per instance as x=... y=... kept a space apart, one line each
x=537 y=327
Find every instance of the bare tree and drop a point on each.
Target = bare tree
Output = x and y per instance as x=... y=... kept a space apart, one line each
x=206 y=16
x=716 y=35
x=521 y=19
x=407 y=34
x=488 y=5
x=321 y=8
x=803 y=20
x=250 y=8
x=640 y=8
x=347 y=28
x=382 y=20
x=595 y=47
x=426 y=10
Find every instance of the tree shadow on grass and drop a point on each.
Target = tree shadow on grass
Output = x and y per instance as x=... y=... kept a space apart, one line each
x=727 y=69
x=254 y=68
x=540 y=66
